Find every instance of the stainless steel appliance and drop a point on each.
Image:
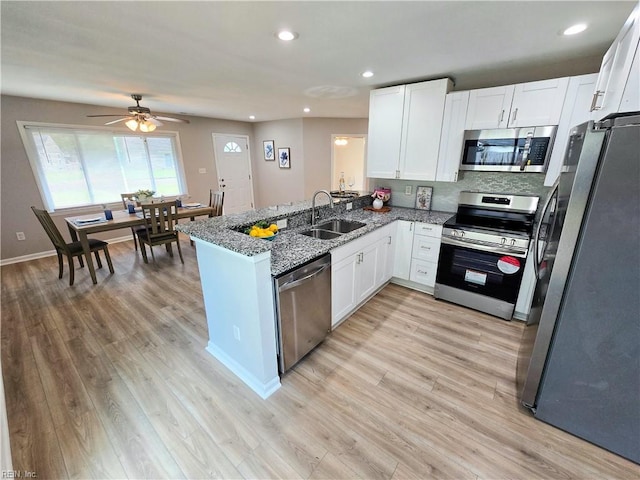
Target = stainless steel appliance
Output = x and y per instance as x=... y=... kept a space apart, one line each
x=525 y=149
x=483 y=251
x=579 y=361
x=303 y=307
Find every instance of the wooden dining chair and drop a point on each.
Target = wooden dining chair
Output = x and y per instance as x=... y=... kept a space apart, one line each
x=216 y=200
x=134 y=230
x=73 y=249
x=158 y=228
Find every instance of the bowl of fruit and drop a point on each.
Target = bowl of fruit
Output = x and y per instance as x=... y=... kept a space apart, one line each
x=263 y=230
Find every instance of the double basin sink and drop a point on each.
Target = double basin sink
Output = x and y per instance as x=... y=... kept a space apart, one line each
x=332 y=229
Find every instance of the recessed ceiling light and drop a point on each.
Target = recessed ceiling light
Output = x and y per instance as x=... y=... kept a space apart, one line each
x=572 y=30
x=286 y=35
x=252 y=117
x=367 y=74
x=306 y=109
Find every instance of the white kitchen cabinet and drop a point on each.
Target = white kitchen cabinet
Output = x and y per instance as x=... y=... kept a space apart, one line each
x=403 y=248
x=615 y=70
x=425 y=253
x=451 y=138
x=631 y=95
x=405 y=123
x=575 y=111
x=489 y=108
x=417 y=252
x=359 y=269
x=423 y=272
x=522 y=105
x=386 y=253
x=386 y=108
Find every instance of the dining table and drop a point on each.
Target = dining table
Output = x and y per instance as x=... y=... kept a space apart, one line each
x=81 y=226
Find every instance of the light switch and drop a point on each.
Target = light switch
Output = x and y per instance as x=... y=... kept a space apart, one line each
x=282 y=223
x=407 y=190
x=202 y=170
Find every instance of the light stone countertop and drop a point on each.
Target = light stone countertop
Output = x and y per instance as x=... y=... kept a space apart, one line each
x=290 y=248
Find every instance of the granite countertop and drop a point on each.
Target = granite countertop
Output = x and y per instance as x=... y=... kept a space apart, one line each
x=290 y=248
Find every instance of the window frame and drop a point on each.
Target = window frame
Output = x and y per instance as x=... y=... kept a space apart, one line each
x=40 y=178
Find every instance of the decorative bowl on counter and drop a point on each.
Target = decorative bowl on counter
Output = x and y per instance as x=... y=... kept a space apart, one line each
x=262 y=230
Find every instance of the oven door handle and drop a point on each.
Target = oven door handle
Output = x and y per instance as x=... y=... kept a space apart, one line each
x=502 y=249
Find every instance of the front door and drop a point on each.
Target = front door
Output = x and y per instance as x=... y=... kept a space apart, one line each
x=233 y=165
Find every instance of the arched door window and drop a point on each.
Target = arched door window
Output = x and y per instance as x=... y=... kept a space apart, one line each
x=232 y=147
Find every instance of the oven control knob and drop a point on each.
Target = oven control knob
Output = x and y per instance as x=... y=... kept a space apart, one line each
x=462 y=233
x=513 y=242
x=503 y=240
x=454 y=233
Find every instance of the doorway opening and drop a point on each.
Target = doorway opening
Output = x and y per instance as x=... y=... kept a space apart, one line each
x=348 y=156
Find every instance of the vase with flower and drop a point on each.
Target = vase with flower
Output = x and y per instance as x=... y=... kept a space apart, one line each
x=380 y=196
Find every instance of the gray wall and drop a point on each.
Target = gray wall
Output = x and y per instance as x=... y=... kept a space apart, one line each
x=318 y=148
x=310 y=142
x=274 y=185
x=18 y=186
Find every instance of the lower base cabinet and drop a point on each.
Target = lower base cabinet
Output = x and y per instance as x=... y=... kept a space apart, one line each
x=359 y=269
x=416 y=255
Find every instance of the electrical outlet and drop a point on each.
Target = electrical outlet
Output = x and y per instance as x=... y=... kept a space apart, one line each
x=236 y=333
x=407 y=190
x=282 y=223
x=349 y=206
x=202 y=170
x=20 y=235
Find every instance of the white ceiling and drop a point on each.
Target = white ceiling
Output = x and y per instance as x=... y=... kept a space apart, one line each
x=222 y=60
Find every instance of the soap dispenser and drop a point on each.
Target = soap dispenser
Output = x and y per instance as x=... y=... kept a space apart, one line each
x=341 y=183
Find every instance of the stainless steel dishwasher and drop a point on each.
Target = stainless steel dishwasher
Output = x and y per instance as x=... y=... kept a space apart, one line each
x=303 y=308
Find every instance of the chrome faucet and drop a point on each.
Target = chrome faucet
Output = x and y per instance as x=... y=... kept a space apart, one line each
x=313 y=204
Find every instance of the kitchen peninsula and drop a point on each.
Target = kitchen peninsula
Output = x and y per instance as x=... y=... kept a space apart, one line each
x=237 y=270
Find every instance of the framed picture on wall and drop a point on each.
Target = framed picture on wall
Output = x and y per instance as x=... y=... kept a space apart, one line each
x=423 y=198
x=284 y=157
x=269 y=150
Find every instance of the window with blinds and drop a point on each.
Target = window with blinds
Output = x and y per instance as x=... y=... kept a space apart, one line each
x=76 y=167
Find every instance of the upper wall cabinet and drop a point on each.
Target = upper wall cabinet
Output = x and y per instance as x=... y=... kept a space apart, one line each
x=522 y=105
x=405 y=123
x=617 y=78
x=455 y=114
x=574 y=112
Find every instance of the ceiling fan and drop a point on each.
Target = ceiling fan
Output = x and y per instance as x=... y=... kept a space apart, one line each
x=141 y=117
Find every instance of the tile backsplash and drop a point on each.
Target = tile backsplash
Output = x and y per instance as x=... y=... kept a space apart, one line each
x=445 y=194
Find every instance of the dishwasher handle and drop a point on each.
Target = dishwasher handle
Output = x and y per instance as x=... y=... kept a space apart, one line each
x=295 y=283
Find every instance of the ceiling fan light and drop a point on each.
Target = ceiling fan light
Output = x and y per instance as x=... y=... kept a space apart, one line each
x=132 y=124
x=147 y=126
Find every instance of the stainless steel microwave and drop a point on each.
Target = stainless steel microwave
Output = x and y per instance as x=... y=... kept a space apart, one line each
x=525 y=149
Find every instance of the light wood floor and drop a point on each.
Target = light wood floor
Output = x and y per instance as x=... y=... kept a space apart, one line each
x=112 y=381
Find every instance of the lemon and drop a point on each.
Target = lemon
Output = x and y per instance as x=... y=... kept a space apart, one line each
x=253 y=232
x=273 y=228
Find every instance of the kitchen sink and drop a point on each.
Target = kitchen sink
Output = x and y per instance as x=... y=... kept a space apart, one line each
x=340 y=226
x=321 y=234
x=332 y=229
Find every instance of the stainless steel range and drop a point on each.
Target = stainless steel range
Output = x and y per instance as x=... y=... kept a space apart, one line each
x=483 y=251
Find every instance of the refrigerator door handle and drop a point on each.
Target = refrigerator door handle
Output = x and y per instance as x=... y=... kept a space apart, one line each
x=536 y=251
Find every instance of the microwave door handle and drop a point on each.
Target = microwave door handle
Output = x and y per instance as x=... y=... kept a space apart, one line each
x=525 y=151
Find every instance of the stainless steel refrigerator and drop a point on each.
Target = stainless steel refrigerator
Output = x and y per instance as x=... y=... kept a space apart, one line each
x=579 y=360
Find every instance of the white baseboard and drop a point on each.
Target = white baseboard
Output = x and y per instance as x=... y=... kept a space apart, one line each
x=5 y=445
x=263 y=389
x=50 y=253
